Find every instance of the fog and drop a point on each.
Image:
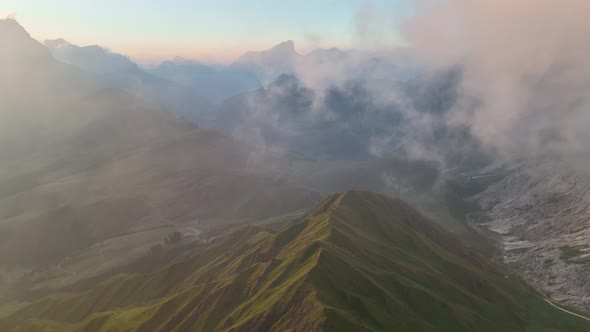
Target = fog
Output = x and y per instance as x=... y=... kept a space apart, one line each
x=525 y=79
x=521 y=88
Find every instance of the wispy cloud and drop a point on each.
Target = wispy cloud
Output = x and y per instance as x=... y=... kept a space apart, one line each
x=525 y=68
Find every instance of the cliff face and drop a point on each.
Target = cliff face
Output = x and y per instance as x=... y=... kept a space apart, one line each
x=541 y=215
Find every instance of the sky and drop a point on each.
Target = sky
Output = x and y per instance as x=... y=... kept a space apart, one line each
x=150 y=31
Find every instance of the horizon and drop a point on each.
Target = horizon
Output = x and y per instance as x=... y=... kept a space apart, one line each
x=178 y=57
x=210 y=33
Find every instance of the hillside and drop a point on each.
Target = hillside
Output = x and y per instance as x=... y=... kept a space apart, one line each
x=356 y=262
x=269 y=64
x=128 y=168
x=538 y=213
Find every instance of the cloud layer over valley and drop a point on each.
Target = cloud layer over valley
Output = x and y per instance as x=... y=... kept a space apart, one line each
x=526 y=82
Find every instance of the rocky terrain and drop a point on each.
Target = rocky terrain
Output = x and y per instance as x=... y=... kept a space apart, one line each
x=540 y=213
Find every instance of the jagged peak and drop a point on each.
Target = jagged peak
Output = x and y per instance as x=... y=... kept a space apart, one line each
x=286 y=46
x=281 y=51
x=349 y=197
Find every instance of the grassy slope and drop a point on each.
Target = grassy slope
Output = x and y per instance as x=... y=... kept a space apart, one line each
x=419 y=183
x=358 y=261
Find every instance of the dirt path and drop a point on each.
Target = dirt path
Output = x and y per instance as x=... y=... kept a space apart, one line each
x=564 y=310
x=71 y=273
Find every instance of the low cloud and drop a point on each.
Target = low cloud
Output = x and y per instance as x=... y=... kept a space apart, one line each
x=526 y=84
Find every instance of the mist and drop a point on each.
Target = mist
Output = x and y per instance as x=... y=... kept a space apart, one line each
x=199 y=196
x=521 y=85
x=525 y=85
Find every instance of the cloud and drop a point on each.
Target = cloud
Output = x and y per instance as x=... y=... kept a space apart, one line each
x=526 y=77
x=522 y=88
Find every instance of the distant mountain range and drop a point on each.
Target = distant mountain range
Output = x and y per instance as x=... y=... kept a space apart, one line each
x=83 y=161
x=270 y=64
x=328 y=104
x=215 y=82
x=248 y=72
x=118 y=71
x=92 y=58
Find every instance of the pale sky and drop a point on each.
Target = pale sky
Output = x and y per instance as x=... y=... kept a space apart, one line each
x=150 y=31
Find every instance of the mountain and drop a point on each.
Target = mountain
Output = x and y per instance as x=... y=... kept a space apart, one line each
x=83 y=162
x=270 y=64
x=254 y=69
x=118 y=71
x=434 y=192
x=356 y=262
x=93 y=58
x=215 y=82
x=537 y=212
x=29 y=70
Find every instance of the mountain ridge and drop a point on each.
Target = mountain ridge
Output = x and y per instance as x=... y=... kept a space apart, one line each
x=348 y=265
x=283 y=49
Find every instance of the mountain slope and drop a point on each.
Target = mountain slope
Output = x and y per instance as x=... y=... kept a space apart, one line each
x=357 y=262
x=82 y=161
x=538 y=213
x=130 y=167
x=92 y=58
x=270 y=64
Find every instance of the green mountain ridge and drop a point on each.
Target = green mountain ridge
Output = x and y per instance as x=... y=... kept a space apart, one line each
x=356 y=262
